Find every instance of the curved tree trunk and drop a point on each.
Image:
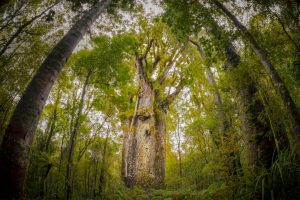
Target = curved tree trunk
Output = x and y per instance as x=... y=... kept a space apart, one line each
x=278 y=83
x=14 y=150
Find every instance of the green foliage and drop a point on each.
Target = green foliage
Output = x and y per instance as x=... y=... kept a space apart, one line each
x=204 y=160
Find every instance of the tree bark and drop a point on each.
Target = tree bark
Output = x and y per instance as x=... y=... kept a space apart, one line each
x=144 y=160
x=278 y=83
x=144 y=148
x=14 y=150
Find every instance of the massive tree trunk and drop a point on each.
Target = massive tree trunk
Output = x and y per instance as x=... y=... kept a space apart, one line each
x=144 y=150
x=14 y=151
x=144 y=144
x=278 y=83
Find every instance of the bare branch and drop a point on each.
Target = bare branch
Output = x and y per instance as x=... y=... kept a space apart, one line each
x=199 y=47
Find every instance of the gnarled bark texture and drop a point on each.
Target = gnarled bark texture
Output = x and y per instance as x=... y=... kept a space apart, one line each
x=144 y=148
x=14 y=150
x=145 y=142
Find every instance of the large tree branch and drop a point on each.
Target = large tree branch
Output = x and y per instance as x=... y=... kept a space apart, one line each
x=139 y=62
x=147 y=49
x=199 y=47
x=139 y=66
x=166 y=67
x=171 y=97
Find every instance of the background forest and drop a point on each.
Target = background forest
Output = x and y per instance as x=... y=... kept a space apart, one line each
x=140 y=99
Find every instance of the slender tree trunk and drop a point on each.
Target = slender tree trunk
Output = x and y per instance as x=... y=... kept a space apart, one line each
x=279 y=85
x=95 y=178
x=179 y=148
x=72 y=142
x=102 y=180
x=212 y=82
x=85 y=182
x=88 y=181
x=60 y=164
x=52 y=127
x=43 y=180
x=14 y=150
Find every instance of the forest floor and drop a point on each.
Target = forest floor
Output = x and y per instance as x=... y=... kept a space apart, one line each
x=140 y=194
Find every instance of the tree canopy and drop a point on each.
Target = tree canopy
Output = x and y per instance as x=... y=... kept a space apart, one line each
x=164 y=99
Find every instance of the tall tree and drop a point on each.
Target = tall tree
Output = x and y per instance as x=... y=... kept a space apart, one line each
x=72 y=142
x=278 y=83
x=159 y=68
x=14 y=151
x=213 y=84
x=260 y=145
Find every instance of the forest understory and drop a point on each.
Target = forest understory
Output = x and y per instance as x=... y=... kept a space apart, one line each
x=150 y=99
